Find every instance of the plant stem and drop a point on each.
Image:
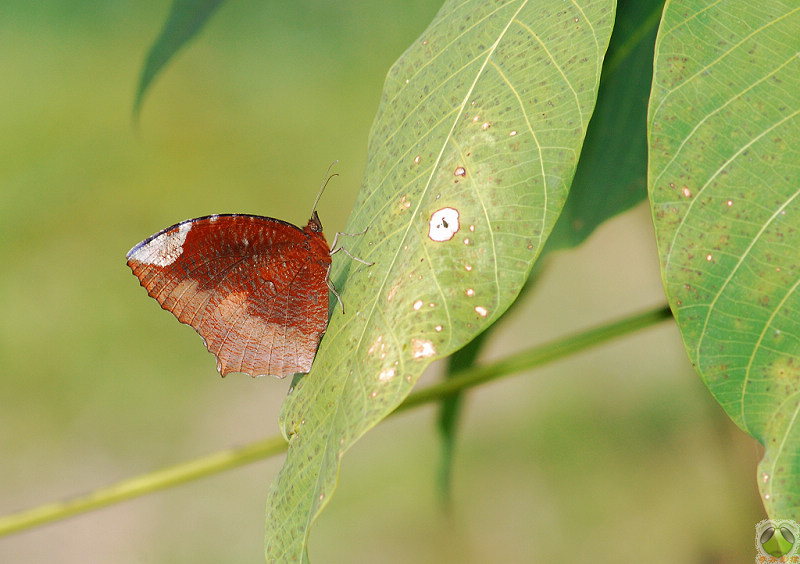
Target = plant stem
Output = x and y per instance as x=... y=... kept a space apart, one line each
x=536 y=356
x=141 y=485
x=233 y=458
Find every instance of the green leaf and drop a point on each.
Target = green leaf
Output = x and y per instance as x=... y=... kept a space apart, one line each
x=450 y=411
x=612 y=171
x=186 y=19
x=610 y=178
x=724 y=177
x=484 y=115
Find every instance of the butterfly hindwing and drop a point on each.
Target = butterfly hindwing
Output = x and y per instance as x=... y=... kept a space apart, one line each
x=253 y=287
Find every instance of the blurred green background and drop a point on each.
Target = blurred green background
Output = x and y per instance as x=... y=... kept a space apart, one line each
x=616 y=455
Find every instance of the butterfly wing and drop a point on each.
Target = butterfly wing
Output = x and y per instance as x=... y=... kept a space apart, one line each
x=253 y=287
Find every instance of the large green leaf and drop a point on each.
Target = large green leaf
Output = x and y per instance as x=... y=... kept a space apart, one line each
x=724 y=176
x=484 y=116
x=611 y=173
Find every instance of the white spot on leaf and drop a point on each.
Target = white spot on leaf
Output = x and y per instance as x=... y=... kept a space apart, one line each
x=376 y=346
x=443 y=225
x=422 y=348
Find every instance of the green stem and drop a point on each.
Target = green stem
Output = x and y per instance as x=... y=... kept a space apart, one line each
x=536 y=356
x=233 y=458
x=141 y=485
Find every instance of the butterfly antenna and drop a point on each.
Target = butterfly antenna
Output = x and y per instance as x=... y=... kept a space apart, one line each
x=325 y=181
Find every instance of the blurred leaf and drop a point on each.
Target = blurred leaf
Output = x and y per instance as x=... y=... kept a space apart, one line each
x=611 y=174
x=724 y=176
x=450 y=407
x=449 y=411
x=185 y=20
x=484 y=115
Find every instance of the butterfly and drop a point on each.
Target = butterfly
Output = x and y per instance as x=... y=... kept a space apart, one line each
x=255 y=288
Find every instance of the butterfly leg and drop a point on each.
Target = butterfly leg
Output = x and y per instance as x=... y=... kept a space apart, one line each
x=335 y=249
x=332 y=288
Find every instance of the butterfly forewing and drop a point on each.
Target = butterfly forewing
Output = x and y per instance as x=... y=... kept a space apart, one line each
x=253 y=287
